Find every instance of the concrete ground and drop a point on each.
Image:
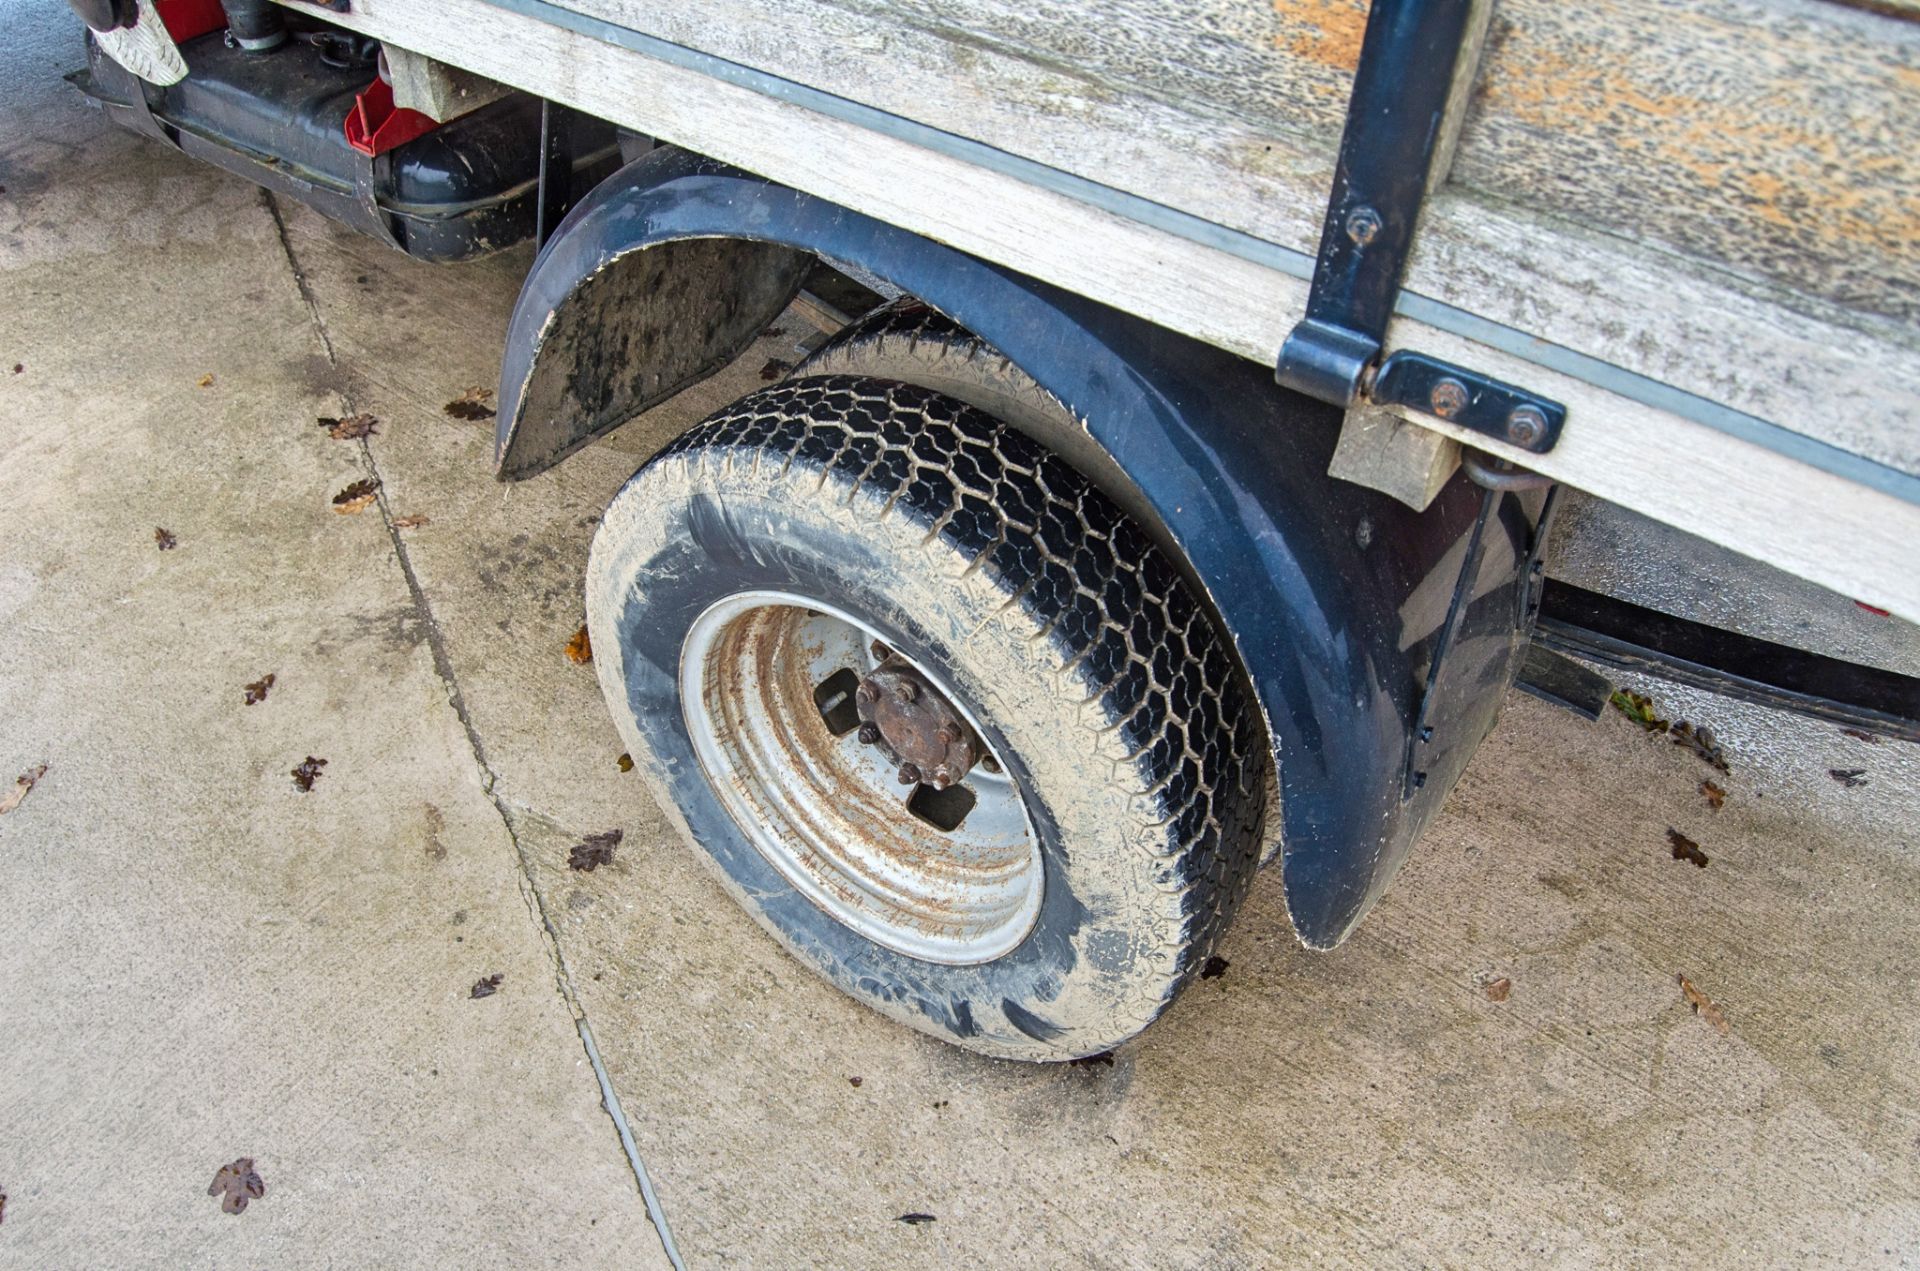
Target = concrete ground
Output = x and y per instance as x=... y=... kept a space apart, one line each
x=199 y=962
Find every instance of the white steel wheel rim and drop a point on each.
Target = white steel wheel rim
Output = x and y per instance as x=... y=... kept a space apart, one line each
x=827 y=811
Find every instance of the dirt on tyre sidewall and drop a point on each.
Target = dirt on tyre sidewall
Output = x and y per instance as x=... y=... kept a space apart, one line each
x=1066 y=635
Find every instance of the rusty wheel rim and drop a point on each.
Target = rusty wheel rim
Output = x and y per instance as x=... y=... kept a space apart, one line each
x=766 y=691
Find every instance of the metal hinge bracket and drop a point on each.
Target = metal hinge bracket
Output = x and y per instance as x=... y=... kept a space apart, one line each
x=1415 y=61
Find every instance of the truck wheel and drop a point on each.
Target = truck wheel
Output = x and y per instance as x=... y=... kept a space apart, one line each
x=942 y=719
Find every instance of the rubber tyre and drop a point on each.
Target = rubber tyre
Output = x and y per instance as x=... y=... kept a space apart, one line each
x=1063 y=630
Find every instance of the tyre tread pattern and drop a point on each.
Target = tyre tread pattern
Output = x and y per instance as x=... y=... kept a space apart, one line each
x=1157 y=686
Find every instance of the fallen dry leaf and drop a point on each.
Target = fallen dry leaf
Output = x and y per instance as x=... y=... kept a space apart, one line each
x=349 y=427
x=19 y=368
x=580 y=648
x=28 y=780
x=1638 y=709
x=307 y=773
x=3 y=1194
x=236 y=1184
x=1702 y=1005
x=1215 y=968
x=355 y=497
x=768 y=331
x=774 y=369
x=164 y=539
x=412 y=521
x=1104 y=1059
x=916 y=1220
x=486 y=986
x=596 y=851
x=1685 y=849
x=854 y=1082
x=471 y=405
x=1714 y=795
x=206 y=381
x=256 y=692
x=1860 y=734
x=1849 y=777
x=1699 y=739
x=624 y=763
x=1499 y=990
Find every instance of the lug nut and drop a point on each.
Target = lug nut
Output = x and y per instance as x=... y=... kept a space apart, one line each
x=942 y=777
x=905 y=691
x=866 y=692
x=880 y=651
x=948 y=734
x=909 y=775
x=1448 y=398
x=869 y=734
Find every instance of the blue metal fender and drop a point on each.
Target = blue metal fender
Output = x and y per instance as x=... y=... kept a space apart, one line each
x=1335 y=596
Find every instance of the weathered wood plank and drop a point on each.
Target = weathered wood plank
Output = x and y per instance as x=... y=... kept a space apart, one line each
x=436 y=90
x=1781 y=356
x=1751 y=499
x=1774 y=138
x=1742 y=130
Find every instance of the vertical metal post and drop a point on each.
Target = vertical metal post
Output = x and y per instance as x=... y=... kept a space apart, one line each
x=556 y=169
x=1400 y=94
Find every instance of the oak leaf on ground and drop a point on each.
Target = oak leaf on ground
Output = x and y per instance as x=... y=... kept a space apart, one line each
x=1702 y=1005
x=236 y=1184
x=28 y=780
x=356 y=496
x=580 y=647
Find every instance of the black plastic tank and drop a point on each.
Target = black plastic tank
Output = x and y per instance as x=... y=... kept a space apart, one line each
x=467 y=188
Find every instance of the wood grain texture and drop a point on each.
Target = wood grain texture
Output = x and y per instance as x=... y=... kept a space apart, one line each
x=1748 y=498
x=1382 y=451
x=1775 y=136
x=1784 y=356
x=436 y=90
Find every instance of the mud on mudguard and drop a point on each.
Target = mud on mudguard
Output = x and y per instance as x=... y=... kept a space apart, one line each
x=1340 y=601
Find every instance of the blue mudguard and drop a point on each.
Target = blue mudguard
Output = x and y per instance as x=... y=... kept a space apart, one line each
x=1348 y=609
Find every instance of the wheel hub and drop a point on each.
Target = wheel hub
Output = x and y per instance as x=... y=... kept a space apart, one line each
x=806 y=726
x=902 y=711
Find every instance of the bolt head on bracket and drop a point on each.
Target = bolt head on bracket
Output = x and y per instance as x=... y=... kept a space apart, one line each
x=1472 y=401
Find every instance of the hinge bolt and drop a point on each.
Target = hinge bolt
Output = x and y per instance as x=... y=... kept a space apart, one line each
x=1526 y=427
x=909 y=775
x=905 y=691
x=869 y=734
x=1363 y=225
x=1448 y=398
x=942 y=777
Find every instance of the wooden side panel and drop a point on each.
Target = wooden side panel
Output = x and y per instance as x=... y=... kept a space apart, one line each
x=1774 y=136
x=1232 y=112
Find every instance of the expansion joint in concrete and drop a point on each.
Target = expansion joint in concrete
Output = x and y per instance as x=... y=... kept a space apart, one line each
x=489 y=779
